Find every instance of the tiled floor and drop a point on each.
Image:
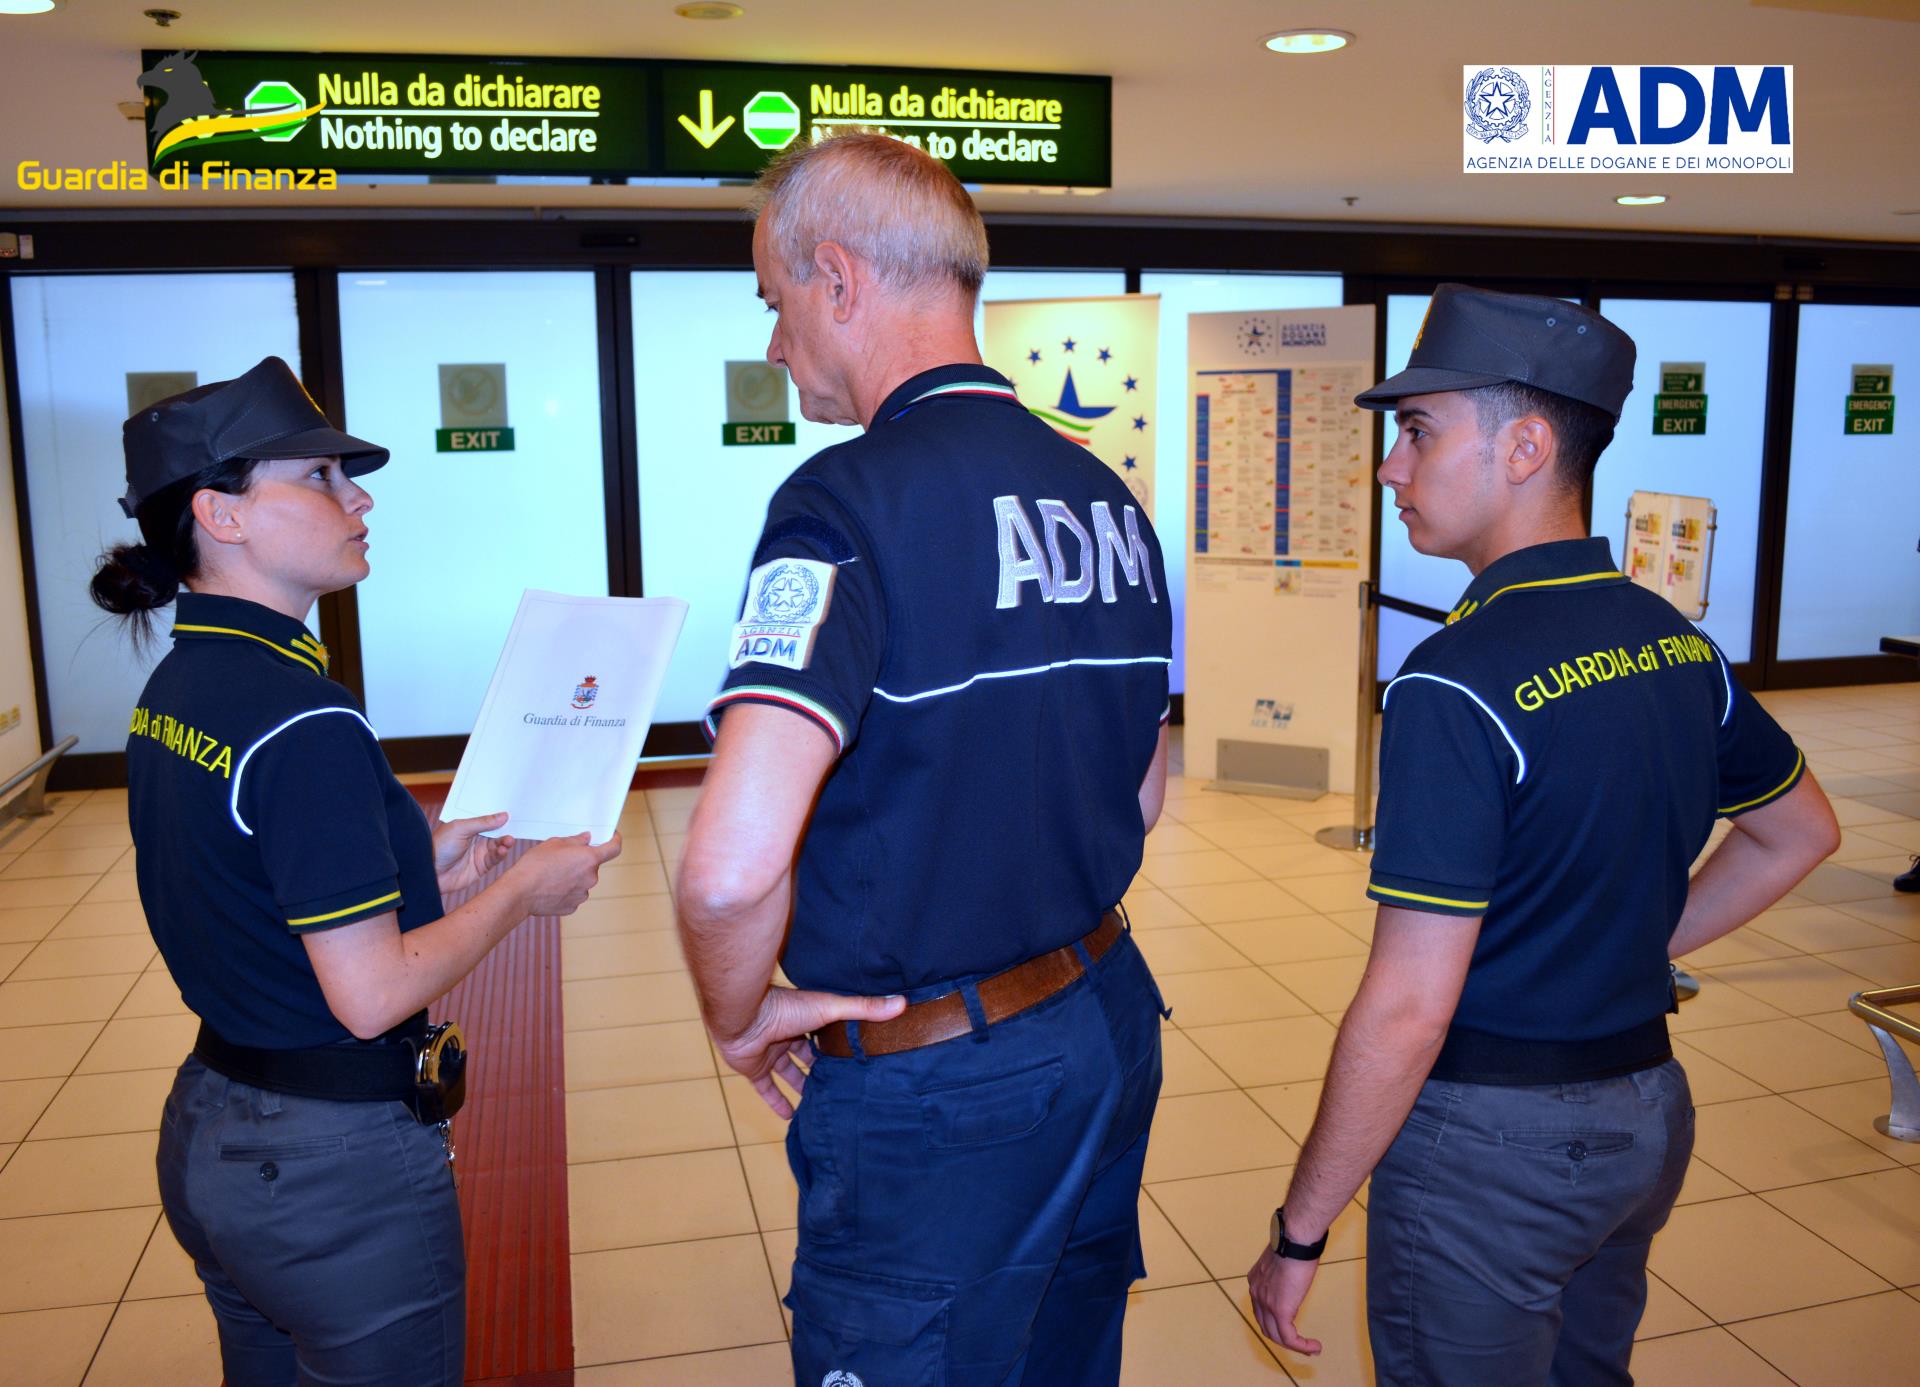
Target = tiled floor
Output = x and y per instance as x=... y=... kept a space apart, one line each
x=1795 y=1256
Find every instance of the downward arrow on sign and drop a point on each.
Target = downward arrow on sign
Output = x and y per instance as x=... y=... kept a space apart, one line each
x=706 y=131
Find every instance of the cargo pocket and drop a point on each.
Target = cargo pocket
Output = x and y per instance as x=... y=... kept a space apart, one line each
x=851 y=1327
x=1002 y=1107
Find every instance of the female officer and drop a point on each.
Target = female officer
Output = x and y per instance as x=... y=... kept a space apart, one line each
x=294 y=888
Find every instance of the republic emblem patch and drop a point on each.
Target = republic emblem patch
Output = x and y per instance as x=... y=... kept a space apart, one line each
x=787 y=599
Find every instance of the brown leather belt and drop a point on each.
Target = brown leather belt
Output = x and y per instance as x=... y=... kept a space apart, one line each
x=945 y=1017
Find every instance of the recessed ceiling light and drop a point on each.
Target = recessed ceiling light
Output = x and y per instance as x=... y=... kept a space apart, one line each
x=1641 y=199
x=709 y=9
x=25 y=6
x=1308 y=40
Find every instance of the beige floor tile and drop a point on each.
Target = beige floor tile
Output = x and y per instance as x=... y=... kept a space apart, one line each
x=1742 y=946
x=1335 y=1313
x=164 y=1270
x=1886 y=965
x=155 y=1341
x=728 y=1367
x=1737 y=1258
x=71 y=1259
x=1844 y=1025
x=1899 y=914
x=113 y=887
x=606 y=1124
x=29 y=925
x=50 y=1348
x=1668 y=1312
x=1796 y=986
x=1901 y=802
x=1191 y=949
x=41 y=891
x=42 y=861
x=1325 y=984
x=1291 y=1105
x=1710 y=1080
x=753 y=1120
x=21 y=1103
x=1852 y=1108
x=1168 y=837
x=1185 y=1069
x=1766 y=1143
x=1702 y=1182
x=1704 y=1358
x=79 y=1173
x=1192 y=1334
x=1831 y=884
x=637 y=879
x=1234 y=834
x=98 y=1104
x=615 y=955
x=658 y=1199
x=1817 y=929
x=1841 y=1345
x=1303 y=859
x=619 y=915
x=153 y=995
x=1902 y=836
x=1210 y=1134
x=137 y=1042
x=1170 y=1262
x=1237 y=900
x=13 y=955
x=770 y=1183
x=1358 y=923
x=1224 y=1218
x=40 y=1052
x=1151 y=909
x=619 y=1056
x=1339 y=891
x=779 y=1245
x=1195 y=869
x=55 y=1000
x=80 y=958
x=641 y=1000
x=1211 y=808
x=1283 y=1051
x=1784 y=1054
x=703 y=1295
x=64 y=837
x=1225 y=995
x=1874 y=1218
x=1291 y=940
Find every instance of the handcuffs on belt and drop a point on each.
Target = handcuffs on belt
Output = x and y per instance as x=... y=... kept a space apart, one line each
x=440 y=1079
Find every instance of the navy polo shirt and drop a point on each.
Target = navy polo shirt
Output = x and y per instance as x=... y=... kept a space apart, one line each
x=1553 y=760
x=975 y=610
x=263 y=808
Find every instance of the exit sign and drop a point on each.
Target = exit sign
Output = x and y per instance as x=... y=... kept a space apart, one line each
x=473 y=440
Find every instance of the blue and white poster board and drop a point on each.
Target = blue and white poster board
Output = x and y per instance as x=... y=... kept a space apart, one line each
x=1280 y=461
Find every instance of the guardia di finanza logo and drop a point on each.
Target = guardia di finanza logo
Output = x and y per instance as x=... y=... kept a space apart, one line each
x=1498 y=103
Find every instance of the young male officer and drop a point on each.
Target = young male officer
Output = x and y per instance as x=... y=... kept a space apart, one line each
x=938 y=753
x=1551 y=763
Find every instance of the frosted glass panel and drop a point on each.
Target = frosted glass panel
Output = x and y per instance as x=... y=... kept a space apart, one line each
x=457 y=536
x=702 y=503
x=1723 y=464
x=1181 y=294
x=76 y=338
x=1853 y=500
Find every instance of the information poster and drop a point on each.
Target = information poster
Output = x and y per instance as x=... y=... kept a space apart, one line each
x=1280 y=460
x=1669 y=548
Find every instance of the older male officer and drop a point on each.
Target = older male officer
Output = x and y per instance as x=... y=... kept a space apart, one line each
x=1551 y=763
x=947 y=697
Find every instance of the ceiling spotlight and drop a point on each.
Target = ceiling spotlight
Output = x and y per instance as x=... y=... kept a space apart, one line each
x=709 y=9
x=25 y=6
x=1308 y=40
x=1641 y=199
x=164 y=18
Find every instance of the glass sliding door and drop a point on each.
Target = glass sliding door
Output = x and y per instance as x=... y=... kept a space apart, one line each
x=486 y=386
x=91 y=349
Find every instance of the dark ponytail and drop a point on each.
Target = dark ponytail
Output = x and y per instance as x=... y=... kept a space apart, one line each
x=135 y=580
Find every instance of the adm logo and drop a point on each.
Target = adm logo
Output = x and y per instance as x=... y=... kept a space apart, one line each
x=1498 y=103
x=273 y=111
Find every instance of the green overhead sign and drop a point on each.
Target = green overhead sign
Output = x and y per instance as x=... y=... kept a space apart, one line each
x=393 y=114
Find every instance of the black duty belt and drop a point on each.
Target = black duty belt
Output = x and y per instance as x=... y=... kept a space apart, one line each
x=420 y=1065
x=1474 y=1057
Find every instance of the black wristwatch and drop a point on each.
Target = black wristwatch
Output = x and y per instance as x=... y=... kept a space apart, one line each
x=1281 y=1246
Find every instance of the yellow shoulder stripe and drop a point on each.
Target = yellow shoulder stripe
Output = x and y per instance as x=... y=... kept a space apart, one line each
x=1799 y=760
x=1429 y=900
x=1557 y=582
x=336 y=914
x=290 y=653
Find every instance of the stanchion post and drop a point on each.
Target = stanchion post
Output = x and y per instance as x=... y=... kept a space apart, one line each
x=1359 y=836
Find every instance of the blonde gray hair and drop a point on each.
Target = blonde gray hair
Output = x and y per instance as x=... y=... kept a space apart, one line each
x=893 y=205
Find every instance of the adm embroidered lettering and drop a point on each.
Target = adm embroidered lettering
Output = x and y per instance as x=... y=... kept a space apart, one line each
x=1026 y=558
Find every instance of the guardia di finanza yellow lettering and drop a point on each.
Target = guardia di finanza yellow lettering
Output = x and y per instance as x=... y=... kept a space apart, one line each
x=209 y=753
x=1584 y=671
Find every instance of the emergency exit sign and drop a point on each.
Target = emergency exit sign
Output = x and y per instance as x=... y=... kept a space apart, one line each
x=1680 y=407
x=1870 y=403
x=473 y=440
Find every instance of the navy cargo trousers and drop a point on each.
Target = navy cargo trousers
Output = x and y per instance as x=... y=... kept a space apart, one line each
x=1508 y=1228
x=327 y=1234
x=969 y=1210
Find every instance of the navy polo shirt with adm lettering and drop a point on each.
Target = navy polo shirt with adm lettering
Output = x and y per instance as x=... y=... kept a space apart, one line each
x=263 y=809
x=975 y=610
x=1553 y=760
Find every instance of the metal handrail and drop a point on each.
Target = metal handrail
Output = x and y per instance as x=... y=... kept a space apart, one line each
x=33 y=804
x=1902 y=1121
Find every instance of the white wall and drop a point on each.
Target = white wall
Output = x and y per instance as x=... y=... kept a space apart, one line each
x=21 y=743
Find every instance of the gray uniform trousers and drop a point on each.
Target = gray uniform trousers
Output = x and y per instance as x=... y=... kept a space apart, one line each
x=1508 y=1228
x=327 y=1234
